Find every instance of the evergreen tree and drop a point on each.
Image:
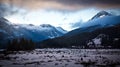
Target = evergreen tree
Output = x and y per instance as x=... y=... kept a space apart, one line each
x=20 y=44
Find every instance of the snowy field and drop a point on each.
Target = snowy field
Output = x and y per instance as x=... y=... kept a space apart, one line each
x=62 y=58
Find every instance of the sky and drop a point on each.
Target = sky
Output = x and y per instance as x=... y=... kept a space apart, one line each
x=68 y=14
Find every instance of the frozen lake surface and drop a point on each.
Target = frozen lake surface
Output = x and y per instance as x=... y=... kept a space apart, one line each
x=62 y=58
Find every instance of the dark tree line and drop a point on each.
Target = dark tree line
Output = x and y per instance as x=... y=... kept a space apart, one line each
x=20 y=44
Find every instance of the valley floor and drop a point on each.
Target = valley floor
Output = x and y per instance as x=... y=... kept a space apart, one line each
x=62 y=58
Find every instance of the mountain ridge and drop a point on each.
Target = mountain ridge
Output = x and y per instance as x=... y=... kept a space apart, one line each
x=10 y=31
x=101 y=14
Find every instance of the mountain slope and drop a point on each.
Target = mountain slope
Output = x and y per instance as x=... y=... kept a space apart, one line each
x=97 y=22
x=6 y=31
x=105 y=21
x=104 y=37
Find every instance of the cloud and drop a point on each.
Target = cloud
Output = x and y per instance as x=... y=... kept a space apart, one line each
x=6 y=9
x=114 y=11
x=38 y=4
x=75 y=24
x=13 y=6
x=63 y=4
x=64 y=13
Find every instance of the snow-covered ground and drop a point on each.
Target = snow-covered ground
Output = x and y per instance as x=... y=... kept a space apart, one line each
x=62 y=58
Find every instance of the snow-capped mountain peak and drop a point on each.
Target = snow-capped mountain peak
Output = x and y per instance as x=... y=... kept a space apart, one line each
x=101 y=14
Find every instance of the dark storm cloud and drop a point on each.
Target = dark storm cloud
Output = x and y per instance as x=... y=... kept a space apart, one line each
x=90 y=2
x=64 y=4
x=6 y=6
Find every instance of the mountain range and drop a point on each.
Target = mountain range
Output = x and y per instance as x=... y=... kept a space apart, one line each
x=102 y=31
x=10 y=31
